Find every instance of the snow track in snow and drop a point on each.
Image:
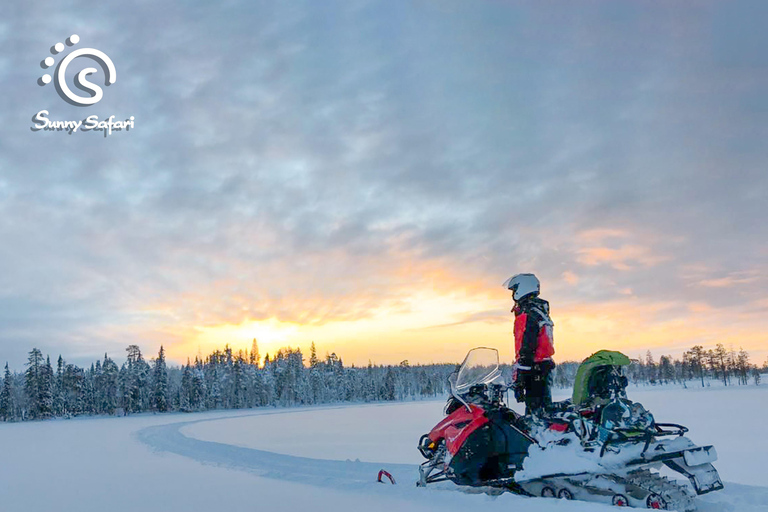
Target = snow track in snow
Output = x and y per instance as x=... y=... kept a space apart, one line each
x=321 y=472
x=360 y=476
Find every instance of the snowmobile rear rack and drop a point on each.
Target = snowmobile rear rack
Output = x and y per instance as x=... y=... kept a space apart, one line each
x=679 y=429
x=619 y=435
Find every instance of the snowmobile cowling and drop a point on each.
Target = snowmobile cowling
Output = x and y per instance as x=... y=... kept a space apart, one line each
x=456 y=427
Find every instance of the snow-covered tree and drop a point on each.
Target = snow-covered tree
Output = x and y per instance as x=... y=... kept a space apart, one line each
x=313 y=361
x=58 y=389
x=7 y=405
x=108 y=387
x=38 y=385
x=160 y=381
x=254 y=357
x=185 y=391
x=134 y=380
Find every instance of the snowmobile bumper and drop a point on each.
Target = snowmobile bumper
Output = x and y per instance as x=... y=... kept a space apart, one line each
x=700 y=455
x=696 y=465
x=704 y=477
x=694 y=462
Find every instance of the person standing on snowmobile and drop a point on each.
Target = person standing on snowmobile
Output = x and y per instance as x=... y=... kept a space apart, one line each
x=534 y=343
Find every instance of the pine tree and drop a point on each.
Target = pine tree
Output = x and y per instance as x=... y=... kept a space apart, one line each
x=650 y=367
x=697 y=358
x=666 y=369
x=313 y=361
x=254 y=357
x=711 y=359
x=721 y=358
x=239 y=384
x=89 y=391
x=73 y=383
x=134 y=377
x=185 y=391
x=109 y=386
x=268 y=382
x=316 y=387
x=32 y=380
x=58 y=389
x=389 y=386
x=743 y=366
x=7 y=405
x=46 y=390
x=160 y=377
x=259 y=391
x=98 y=379
x=214 y=397
x=198 y=391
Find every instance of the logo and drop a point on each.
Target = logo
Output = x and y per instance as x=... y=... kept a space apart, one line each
x=93 y=92
x=81 y=80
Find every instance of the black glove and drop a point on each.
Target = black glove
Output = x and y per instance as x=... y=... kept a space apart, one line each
x=519 y=390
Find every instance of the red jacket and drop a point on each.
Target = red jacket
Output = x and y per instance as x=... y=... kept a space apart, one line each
x=534 y=340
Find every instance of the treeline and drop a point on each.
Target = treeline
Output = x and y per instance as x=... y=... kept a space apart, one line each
x=698 y=365
x=228 y=380
x=222 y=380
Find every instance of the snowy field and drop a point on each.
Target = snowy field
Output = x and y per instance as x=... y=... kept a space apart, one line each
x=323 y=458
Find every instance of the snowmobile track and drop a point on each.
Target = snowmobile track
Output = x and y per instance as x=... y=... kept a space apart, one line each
x=675 y=496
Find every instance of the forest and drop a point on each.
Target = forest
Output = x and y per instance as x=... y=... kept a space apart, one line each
x=235 y=380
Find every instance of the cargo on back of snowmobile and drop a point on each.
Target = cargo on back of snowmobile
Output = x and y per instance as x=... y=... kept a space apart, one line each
x=600 y=393
x=481 y=442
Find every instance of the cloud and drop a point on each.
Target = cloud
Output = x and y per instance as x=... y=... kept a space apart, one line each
x=727 y=282
x=624 y=257
x=319 y=163
x=570 y=278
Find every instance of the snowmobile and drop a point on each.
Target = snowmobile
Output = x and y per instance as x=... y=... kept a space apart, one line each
x=597 y=446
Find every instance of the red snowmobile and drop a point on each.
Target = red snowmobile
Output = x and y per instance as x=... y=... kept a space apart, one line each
x=598 y=447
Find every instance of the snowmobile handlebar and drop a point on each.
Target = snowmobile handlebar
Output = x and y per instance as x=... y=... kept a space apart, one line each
x=482 y=393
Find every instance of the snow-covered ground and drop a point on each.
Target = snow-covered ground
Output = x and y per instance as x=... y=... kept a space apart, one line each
x=323 y=458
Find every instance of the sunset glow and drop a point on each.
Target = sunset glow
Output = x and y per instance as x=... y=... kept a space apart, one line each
x=429 y=327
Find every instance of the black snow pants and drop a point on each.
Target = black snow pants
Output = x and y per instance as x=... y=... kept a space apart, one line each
x=537 y=383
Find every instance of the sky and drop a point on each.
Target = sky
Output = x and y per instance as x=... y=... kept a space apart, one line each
x=365 y=175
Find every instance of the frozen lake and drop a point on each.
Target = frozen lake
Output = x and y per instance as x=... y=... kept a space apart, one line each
x=325 y=458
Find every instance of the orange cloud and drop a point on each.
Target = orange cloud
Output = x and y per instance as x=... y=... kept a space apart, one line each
x=600 y=234
x=570 y=278
x=727 y=282
x=624 y=257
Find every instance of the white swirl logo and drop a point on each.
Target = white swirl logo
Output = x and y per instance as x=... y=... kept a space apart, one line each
x=81 y=79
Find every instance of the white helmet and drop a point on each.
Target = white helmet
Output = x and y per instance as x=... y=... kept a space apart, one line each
x=522 y=285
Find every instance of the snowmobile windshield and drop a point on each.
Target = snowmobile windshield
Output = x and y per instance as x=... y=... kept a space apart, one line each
x=481 y=366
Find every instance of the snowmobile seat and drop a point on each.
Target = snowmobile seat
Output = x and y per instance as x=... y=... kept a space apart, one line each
x=558 y=426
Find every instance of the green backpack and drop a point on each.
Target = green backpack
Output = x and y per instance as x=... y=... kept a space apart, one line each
x=592 y=377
